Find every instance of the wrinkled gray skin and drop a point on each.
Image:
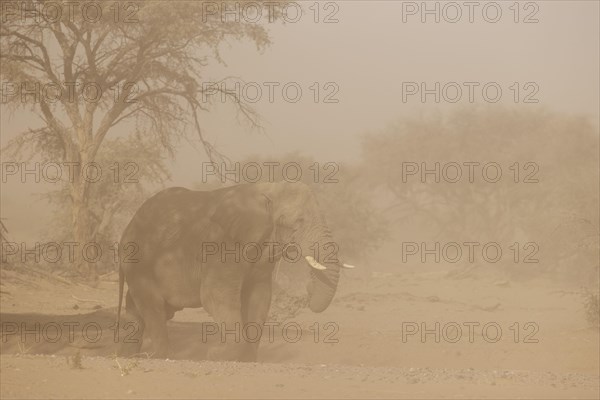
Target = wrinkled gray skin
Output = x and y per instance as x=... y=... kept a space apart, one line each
x=170 y=229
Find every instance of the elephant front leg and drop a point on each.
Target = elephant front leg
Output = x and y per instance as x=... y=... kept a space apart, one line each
x=220 y=295
x=256 y=301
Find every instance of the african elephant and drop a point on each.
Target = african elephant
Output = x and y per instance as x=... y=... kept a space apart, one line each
x=176 y=266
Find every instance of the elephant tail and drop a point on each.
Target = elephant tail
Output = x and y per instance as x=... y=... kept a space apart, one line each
x=121 y=286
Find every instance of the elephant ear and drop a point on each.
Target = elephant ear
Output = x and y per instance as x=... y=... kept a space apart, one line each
x=243 y=216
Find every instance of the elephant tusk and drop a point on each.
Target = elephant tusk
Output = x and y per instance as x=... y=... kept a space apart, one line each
x=348 y=266
x=313 y=263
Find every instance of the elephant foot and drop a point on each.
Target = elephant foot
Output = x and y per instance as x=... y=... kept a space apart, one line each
x=160 y=354
x=159 y=346
x=250 y=354
x=237 y=352
x=130 y=337
x=129 y=349
x=225 y=353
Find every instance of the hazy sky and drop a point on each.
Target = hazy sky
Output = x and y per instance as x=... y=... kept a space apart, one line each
x=368 y=55
x=370 y=52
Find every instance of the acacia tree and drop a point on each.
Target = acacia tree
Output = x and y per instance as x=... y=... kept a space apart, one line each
x=137 y=73
x=134 y=168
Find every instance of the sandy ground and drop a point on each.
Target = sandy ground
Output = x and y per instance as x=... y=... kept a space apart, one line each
x=361 y=347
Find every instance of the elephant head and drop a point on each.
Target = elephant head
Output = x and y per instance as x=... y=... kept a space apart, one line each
x=284 y=213
x=297 y=218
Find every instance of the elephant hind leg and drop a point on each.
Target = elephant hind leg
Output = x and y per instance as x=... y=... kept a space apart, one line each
x=155 y=322
x=152 y=311
x=131 y=330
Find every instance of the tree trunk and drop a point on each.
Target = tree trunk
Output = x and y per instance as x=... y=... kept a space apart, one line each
x=82 y=224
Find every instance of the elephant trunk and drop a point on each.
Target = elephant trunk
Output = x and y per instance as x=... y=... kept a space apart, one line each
x=322 y=287
x=323 y=282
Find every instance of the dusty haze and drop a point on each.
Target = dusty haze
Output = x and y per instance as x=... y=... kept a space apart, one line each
x=473 y=225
